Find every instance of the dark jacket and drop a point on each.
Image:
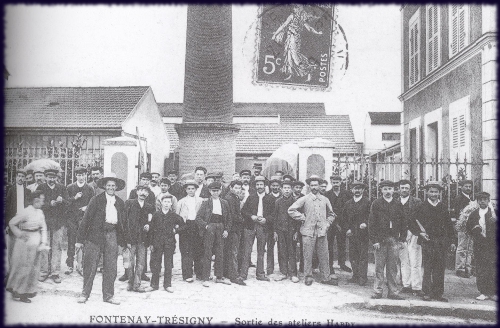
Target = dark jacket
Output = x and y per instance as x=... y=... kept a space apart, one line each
x=205 y=193
x=436 y=222
x=205 y=213
x=161 y=229
x=11 y=202
x=487 y=246
x=283 y=221
x=382 y=215
x=75 y=204
x=92 y=224
x=338 y=203
x=135 y=218
x=250 y=208
x=55 y=216
x=355 y=214
x=458 y=204
x=177 y=190
x=151 y=199
x=269 y=201
x=235 y=210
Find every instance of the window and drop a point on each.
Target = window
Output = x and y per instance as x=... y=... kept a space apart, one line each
x=433 y=40
x=459 y=28
x=391 y=136
x=459 y=132
x=414 y=48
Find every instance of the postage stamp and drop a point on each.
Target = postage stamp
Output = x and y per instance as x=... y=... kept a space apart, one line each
x=295 y=45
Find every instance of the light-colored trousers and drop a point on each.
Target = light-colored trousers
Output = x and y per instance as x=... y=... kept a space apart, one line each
x=55 y=237
x=411 y=264
x=464 y=252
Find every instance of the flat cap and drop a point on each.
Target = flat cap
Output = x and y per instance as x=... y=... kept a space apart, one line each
x=215 y=186
x=146 y=175
x=386 y=183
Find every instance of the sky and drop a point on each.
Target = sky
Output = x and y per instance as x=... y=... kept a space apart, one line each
x=57 y=46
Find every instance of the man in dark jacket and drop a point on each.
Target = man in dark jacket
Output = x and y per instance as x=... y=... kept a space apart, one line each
x=56 y=202
x=102 y=230
x=286 y=231
x=199 y=176
x=463 y=255
x=145 y=178
x=355 y=213
x=232 y=243
x=338 y=198
x=255 y=226
x=431 y=222
x=79 y=195
x=297 y=193
x=214 y=222
x=176 y=188
x=138 y=213
x=269 y=201
x=387 y=228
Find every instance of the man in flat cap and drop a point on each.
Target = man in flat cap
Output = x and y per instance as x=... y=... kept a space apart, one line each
x=176 y=187
x=144 y=180
x=338 y=197
x=79 y=195
x=463 y=256
x=356 y=212
x=246 y=188
x=199 y=176
x=54 y=209
x=315 y=212
x=387 y=227
x=214 y=221
x=269 y=201
x=288 y=177
x=18 y=198
x=482 y=226
x=39 y=177
x=410 y=254
x=102 y=230
x=165 y=185
x=432 y=223
x=190 y=243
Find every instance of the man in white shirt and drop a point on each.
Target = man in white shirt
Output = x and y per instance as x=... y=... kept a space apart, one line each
x=154 y=183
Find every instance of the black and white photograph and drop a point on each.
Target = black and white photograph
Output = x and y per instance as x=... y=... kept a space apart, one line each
x=250 y=164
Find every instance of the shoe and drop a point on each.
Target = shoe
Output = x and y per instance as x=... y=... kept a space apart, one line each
x=169 y=289
x=144 y=277
x=353 y=280
x=252 y=265
x=280 y=277
x=25 y=300
x=42 y=278
x=69 y=271
x=149 y=289
x=395 y=297
x=332 y=282
x=112 y=301
x=264 y=278
x=362 y=282
x=189 y=280
x=222 y=281
x=426 y=298
x=406 y=290
x=206 y=284
x=295 y=279
x=376 y=296
x=238 y=281
x=130 y=288
x=153 y=288
x=440 y=299
x=482 y=297
x=82 y=299
x=460 y=273
x=56 y=278
x=308 y=281
x=125 y=276
x=345 y=268
x=140 y=290
x=418 y=293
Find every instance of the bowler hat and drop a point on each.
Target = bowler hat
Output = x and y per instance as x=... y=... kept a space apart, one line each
x=146 y=175
x=191 y=183
x=464 y=182
x=336 y=178
x=276 y=179
x=405 y=182
x=298 y=183
x=215 y=186
x=120 y=184
x=288 y=176
x=482 y=195
x=80 y=169
x=290 y=183
x=358 y=184
x=52 y=172
x=313 y=178
x=245 y=172
x=433 y=184
x=386 y=183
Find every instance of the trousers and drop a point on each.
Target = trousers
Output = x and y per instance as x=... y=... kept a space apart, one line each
x=50 y=261
x=166 y=250
x=358 y=254
x=320 y=244
x=386 y=259
x=213 y=238
x=434 y=260
x=333 y=233
x=411 y=264
x=91 y=256
x=464 y=252
x=270 y=243
x=231 y=250
x=249 y=237
x=72 y=231
x=191 y=247
x=287 y=258
x=486 y=270
x=137 y=262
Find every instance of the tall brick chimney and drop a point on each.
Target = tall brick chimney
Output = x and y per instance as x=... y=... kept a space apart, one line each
x=207 y=136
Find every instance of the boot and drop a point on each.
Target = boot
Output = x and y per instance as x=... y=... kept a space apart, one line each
x=125 y=275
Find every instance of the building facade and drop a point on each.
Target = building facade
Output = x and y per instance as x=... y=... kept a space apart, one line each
x=449 y=92
x=382 y=130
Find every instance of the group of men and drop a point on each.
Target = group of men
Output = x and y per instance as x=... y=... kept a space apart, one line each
x=221 y=222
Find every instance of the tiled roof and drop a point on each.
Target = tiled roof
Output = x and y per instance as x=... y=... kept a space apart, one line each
x=295 y=126
x=389 y=118
x=93 y=107
x=255 y=109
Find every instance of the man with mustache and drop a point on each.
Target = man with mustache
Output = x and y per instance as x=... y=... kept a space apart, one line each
x=96 y=173
x=39 y=177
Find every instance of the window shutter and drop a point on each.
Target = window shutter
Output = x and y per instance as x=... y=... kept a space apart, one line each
x=433 y=35
x=463 y=26
x=459 y=129
x=414 y=64
x=459 y=28
x=454 y=29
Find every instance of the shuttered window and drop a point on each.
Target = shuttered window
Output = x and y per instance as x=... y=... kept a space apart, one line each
x=433 y=37
x=459 y=28
x=459 y=129
x=414 y=48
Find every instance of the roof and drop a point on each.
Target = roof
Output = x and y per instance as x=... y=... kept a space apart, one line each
x=390 y=118
x=300 y=122
x=82 y=107
x=254 y=109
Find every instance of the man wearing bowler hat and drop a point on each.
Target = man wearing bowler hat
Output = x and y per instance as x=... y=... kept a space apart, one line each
x=463 y=256
x=338 y=197
x=356 y=213
x=432 y=224
x=387 y=228
x=315 y=212
x=102 y=230
x=54 y=209
x=79 y=195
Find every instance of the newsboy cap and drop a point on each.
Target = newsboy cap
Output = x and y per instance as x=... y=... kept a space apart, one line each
x=215 y=186
x=358 y=184
x=482 y=195
x=51 y=172
x=245 y=172
x=386 y=183
x=146 y=175
x=336 y=178
x=405 y=182
x=433 y=184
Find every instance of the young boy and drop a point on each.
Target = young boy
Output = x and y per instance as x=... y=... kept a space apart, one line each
x=164 y=225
